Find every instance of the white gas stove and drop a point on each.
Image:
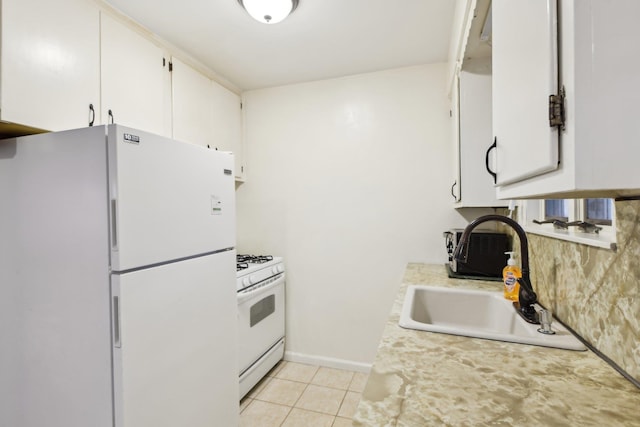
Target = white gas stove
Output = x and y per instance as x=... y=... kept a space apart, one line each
x=260 y=284
x=253 y=269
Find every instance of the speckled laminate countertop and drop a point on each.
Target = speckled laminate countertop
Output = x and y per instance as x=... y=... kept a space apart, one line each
x=429 y=379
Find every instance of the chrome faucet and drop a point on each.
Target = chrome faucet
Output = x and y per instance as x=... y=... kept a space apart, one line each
x=526 y=295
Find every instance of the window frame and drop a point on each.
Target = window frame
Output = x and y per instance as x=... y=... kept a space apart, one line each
x=570 y=211
x=582 y=205
x=535 y=209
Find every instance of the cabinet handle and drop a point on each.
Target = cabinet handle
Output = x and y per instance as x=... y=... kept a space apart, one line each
x=111 y=117
x=452 y=193
x=486 y=160
x=92 y=115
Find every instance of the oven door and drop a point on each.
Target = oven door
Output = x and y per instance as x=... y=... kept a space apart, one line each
x=260 y=319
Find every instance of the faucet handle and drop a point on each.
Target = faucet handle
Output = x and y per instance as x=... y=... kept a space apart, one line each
x=546 y=318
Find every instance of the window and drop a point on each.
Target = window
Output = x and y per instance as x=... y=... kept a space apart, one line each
x=598 y=211
x=593 y=211
x=556 y=209
x=587 y=221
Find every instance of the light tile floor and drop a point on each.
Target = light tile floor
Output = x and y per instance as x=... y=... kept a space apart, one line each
x=300 y=395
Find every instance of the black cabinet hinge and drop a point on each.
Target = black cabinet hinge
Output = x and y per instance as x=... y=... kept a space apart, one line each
x=170 y=66
x=556 y=110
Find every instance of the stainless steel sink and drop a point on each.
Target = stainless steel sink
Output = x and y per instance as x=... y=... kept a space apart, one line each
x=478 y=314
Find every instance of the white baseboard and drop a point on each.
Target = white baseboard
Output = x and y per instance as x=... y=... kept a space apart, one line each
x=328 y=362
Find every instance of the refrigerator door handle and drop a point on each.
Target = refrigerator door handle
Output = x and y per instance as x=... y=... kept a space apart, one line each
x=114 y=224
x=116 y=322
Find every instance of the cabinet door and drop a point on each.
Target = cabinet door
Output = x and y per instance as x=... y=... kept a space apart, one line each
x=50 y=62
x=455 y=131
x=476 y=184
x=192 y=103
x=227 y=123
x=525 y=73
x=133 y=70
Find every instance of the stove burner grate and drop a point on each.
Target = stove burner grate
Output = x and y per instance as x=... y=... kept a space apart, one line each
x=253 y=259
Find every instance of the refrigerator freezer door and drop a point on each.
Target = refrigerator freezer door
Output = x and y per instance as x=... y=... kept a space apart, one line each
x=168 y=200
x=176 y=364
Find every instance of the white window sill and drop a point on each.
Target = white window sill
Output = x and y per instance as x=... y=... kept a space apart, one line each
x=601 y=240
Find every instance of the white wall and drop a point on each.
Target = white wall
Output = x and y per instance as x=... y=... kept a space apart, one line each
x=348 y=179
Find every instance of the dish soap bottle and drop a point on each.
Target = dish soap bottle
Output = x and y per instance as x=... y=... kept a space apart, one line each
x=510 y=275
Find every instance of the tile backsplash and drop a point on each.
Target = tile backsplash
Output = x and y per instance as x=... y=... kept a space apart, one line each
x=595 y=291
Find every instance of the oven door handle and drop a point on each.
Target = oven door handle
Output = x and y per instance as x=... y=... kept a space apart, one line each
x=255 y=291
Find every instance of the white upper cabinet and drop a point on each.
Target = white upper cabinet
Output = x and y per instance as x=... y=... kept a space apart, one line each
x=192 y=105
x=475 y=187
x=50 y=63
x=525 y=73
x=206 y=113
x=455 y=133
x=69 y=64
x=135 y=79
x=471 y=109
x=227 y=124
x=597 y=152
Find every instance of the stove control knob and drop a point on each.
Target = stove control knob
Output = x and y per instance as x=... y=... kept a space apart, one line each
x=277 y=269
x=248 y=281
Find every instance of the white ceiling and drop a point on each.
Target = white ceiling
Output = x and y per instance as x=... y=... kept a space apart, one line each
x=321 y=39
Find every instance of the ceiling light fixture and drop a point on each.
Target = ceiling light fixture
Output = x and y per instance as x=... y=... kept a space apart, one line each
x=269 y=11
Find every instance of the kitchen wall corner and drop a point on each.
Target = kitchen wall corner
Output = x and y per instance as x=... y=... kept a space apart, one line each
x=347 y=182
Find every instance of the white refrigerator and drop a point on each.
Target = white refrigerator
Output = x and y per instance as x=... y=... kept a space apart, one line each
x=117 y=271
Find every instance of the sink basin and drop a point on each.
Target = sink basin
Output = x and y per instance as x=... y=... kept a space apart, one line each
x=478 y=314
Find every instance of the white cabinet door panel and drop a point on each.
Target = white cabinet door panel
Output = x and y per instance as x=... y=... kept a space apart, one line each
x=455 y=131
x=192 y=105
x=50 y=62
x=227 y=123
x=525 y=73
x=476 y=184
x=133 y=78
